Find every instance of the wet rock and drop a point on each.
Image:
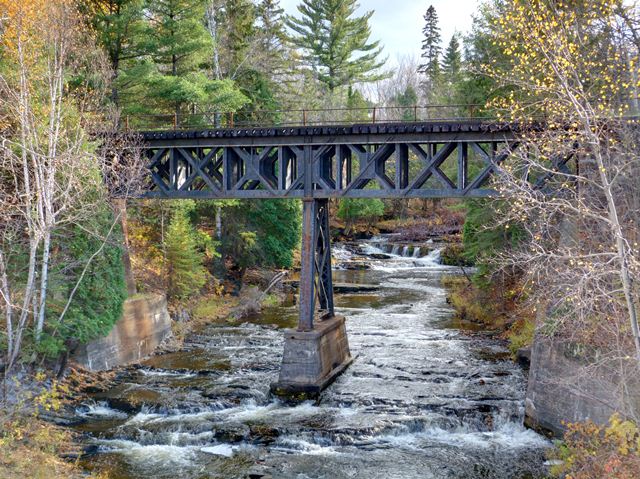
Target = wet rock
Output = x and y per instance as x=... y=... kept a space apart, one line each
x=195 y=360
x=130 y=399
x=523 y=356
x=263 y=434
x=232 y=433
x=258 y=472
x=378 y=256
x=346 y=288
x=354 y=266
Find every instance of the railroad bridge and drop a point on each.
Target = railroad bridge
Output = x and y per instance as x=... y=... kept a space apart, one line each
x=431 y=159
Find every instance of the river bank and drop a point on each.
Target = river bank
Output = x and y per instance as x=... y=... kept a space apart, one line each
x=420 y=400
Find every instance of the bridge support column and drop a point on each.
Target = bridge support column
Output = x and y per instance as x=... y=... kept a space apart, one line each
x=318 y=350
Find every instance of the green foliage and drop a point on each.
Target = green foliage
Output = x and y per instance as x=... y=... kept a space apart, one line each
x=453 y=255
x=277 y=223
x=452 y=61
x=521 y=334
x=336 y=42
x=117 y=24
x=475 y=88
x=480 y=238
x=178 y=44
x=160 y=54
x=186 y=274
x=351 y=210
x=408 y=99
x=264 y=233
x=431 y=47
x=97 y=301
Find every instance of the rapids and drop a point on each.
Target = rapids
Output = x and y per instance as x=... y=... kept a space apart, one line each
x=421 y=400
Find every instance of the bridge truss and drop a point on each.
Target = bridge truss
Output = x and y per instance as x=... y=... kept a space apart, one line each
x=454 y=159
x=361 y=161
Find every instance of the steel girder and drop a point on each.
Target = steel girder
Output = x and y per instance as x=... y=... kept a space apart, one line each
x=432 y=164
x=315 y=275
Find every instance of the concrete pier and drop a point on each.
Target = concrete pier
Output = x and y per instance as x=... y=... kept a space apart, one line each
x=313 y=359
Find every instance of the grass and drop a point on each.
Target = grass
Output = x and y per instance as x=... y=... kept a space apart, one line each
x=31 y=447
x=213 y=308
x=494 y=308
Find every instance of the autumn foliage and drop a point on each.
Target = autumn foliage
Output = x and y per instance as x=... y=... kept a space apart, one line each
x=590 y=451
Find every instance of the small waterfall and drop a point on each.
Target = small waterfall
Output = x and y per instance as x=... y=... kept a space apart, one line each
x=405 y=251
x=416 y=252
x=396 y=249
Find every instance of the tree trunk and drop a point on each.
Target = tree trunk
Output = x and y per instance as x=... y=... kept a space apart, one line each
x=44 y=282
x=121 y=206
x=616 y=229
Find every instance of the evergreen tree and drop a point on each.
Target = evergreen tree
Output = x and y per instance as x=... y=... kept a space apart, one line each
x=481 y=49
x=277 y=225
x=336 y=42
x=185 y=273
x=100 y=290
x=239 y=31
x=408 y=99
x=351 y=210
x=179 y=46
x=452 y=62
x=431 y=47
x=117 y=23
x=262 y=233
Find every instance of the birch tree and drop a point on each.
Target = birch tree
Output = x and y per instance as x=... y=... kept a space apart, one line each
x=51 y=174
x=572 y=181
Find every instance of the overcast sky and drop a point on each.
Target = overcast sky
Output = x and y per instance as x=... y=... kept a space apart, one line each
x=398 y=23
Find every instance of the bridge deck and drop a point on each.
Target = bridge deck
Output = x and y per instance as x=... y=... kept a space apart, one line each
x=392 y=160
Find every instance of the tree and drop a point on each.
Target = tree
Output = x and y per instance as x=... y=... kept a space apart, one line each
x=178 y=45
x=53 y=180
x=118 y=24
x=452 y=61
x=277 y=224
x=582 y=226
x=186 y=274
x=336 y=43
x=264 y=233
x=93 y=256
x=408 y=99
x=351 y=210
x=431 y=48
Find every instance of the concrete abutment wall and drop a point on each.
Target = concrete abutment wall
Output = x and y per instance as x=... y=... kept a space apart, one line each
x=144 y=324
x=565 y=386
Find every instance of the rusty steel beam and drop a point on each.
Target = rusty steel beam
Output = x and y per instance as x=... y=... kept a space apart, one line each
x=424 y=160
x=316 y=284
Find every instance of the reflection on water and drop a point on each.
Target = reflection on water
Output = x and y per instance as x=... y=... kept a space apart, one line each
x=421 y=400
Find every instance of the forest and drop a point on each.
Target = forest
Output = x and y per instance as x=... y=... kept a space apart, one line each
x=79 y=78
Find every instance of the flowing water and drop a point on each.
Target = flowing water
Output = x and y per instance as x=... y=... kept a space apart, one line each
x=421 y=399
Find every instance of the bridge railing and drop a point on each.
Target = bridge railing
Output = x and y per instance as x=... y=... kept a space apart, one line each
x=305 y=117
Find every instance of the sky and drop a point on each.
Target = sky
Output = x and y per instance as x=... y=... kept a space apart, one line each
x=398 y=23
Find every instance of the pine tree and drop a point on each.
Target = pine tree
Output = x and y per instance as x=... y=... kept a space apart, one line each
x=185 y=273
x=117 y=24
x=452 y=62
x=431 y=47
x=336 y=42
x=408 y=99
x=179 y=46
x=351 y=210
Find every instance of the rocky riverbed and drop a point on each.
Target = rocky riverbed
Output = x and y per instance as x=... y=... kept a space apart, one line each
x=421 y=400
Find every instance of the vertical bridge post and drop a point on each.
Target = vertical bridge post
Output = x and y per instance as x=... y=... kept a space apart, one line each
x=318 y=350
x=315 y=273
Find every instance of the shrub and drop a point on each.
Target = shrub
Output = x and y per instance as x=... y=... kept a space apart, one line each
x=590 y=451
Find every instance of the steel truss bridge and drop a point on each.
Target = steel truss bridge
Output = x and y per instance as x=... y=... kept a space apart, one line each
x=315 y=163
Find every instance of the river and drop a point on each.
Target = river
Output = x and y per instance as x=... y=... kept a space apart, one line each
x=422 y=399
